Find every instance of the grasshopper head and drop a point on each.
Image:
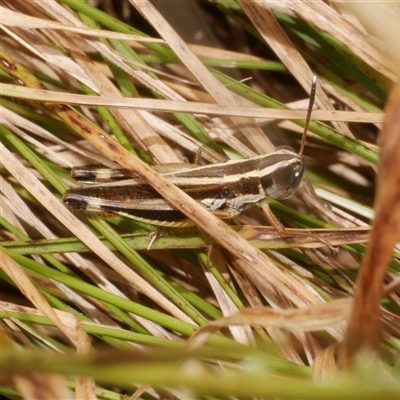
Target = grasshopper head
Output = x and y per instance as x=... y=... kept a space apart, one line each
x=281 y=178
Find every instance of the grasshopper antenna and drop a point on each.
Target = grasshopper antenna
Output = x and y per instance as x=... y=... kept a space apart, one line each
x=309 y=111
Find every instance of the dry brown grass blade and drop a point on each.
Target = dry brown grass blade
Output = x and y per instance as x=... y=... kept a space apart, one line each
x=15 y=121
x=267 y=237
x=381 y=19
x=16 y=19
x=46 y=387
x=277 y=335
x=327 y=19
x=17 y=274
x=364 y=333
x=69 y=324
x=272 y=32
x=307 y=319
x=215 y=88
x=324 y=365
x=189 y=107
x=241 y=334
x=131 y=121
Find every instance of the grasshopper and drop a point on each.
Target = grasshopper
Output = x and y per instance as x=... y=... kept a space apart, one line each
x=225 y=189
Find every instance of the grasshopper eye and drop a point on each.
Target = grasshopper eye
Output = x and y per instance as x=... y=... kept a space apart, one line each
x=285 y=180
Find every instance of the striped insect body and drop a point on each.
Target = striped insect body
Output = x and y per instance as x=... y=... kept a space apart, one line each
x=225 y=189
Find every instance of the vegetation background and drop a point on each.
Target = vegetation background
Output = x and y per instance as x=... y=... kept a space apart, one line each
x=90 y=310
